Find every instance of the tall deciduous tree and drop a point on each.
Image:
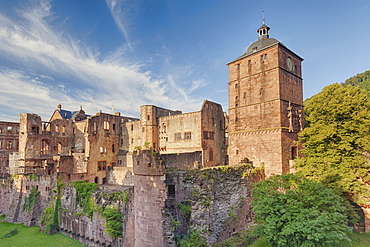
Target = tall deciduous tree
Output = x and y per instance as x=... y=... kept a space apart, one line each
x=296 y=211
x=336 y=139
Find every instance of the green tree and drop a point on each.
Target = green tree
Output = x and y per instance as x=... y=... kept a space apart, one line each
x=361 y=80
x=336 y=139
x=295 y=211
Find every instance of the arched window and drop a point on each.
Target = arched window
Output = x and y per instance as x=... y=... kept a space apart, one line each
x=59 y=147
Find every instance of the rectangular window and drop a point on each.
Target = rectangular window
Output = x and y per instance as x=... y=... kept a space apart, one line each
x=106 y=125
x=102 y=165
x=187 y=136
x=9 y=145
x=10 y=129
x=102 y=150
x=177 y=136
x=205 y=135
x=132 y=127
x=148 y=117
x=114 y=126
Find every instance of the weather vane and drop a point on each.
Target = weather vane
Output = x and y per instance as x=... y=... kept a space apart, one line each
x=263 y=17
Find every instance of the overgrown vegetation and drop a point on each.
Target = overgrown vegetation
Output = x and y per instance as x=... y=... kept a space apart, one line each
x=50 y=218
x=84 y=191
x=185 y=209
x=336 y=140
x=113 y=223
x=296 y=211
x=29 y=201
x=194 y=239
x=33 y=177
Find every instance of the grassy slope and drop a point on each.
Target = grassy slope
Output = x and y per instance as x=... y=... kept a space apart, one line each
x=31 y=237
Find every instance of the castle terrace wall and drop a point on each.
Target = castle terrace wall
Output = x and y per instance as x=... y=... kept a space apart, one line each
x=218 y=200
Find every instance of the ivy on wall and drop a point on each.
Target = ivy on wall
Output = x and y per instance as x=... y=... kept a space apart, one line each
x=84 y=191
x=29 y=201
x=50 y=218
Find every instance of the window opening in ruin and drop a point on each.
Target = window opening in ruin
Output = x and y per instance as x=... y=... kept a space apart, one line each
x=113 y=148
x=294 y=153
x=177 y=136
x=154 y=146
x=187 y=136
x=205 y=135
x=102 y=165
x=148 y=117
x=96 y=181
x=106 y=125
x=104 y=180
x=1 y=130
x=149 y=164
x=59 y=148
x=56 y=129
x=143 y=129
x=249 y=62
x=9 y=145
x=245 y=95
x=236 y=120
x=137 y=162
x=95 y=127
x=113 y=126
x=102 y=150
x=45 y=147
x=74 y=131
x=132 y=127
x=10 y=129
x=119 y=162
x=210 y=155
x=132 y=140
x=237 y=152
x=236 y=85
x=171 y=191
x=63 y=129
x=35 y=130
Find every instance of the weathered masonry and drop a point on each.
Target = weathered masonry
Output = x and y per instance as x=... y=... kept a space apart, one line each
x=265 y=105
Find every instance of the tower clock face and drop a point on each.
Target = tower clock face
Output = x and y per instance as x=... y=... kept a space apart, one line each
x=289 y=64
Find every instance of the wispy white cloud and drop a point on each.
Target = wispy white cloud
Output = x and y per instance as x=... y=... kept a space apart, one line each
x=32 y=41
x=119 y=10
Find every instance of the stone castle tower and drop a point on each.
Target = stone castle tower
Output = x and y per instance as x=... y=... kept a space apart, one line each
x=265 y=105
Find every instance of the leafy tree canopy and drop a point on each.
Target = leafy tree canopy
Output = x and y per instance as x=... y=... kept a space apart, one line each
x=361 y=80
x=336 y=139
x=295 y=211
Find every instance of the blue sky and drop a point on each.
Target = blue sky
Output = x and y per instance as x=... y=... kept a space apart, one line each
x=170 y=53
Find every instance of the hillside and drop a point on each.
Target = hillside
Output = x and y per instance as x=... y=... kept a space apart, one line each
x=362 y=80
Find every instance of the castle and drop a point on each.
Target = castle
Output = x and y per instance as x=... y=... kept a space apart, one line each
x=265 y=117
x=165 y=160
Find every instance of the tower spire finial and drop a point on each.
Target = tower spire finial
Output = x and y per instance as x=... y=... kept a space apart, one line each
x=263 y=17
